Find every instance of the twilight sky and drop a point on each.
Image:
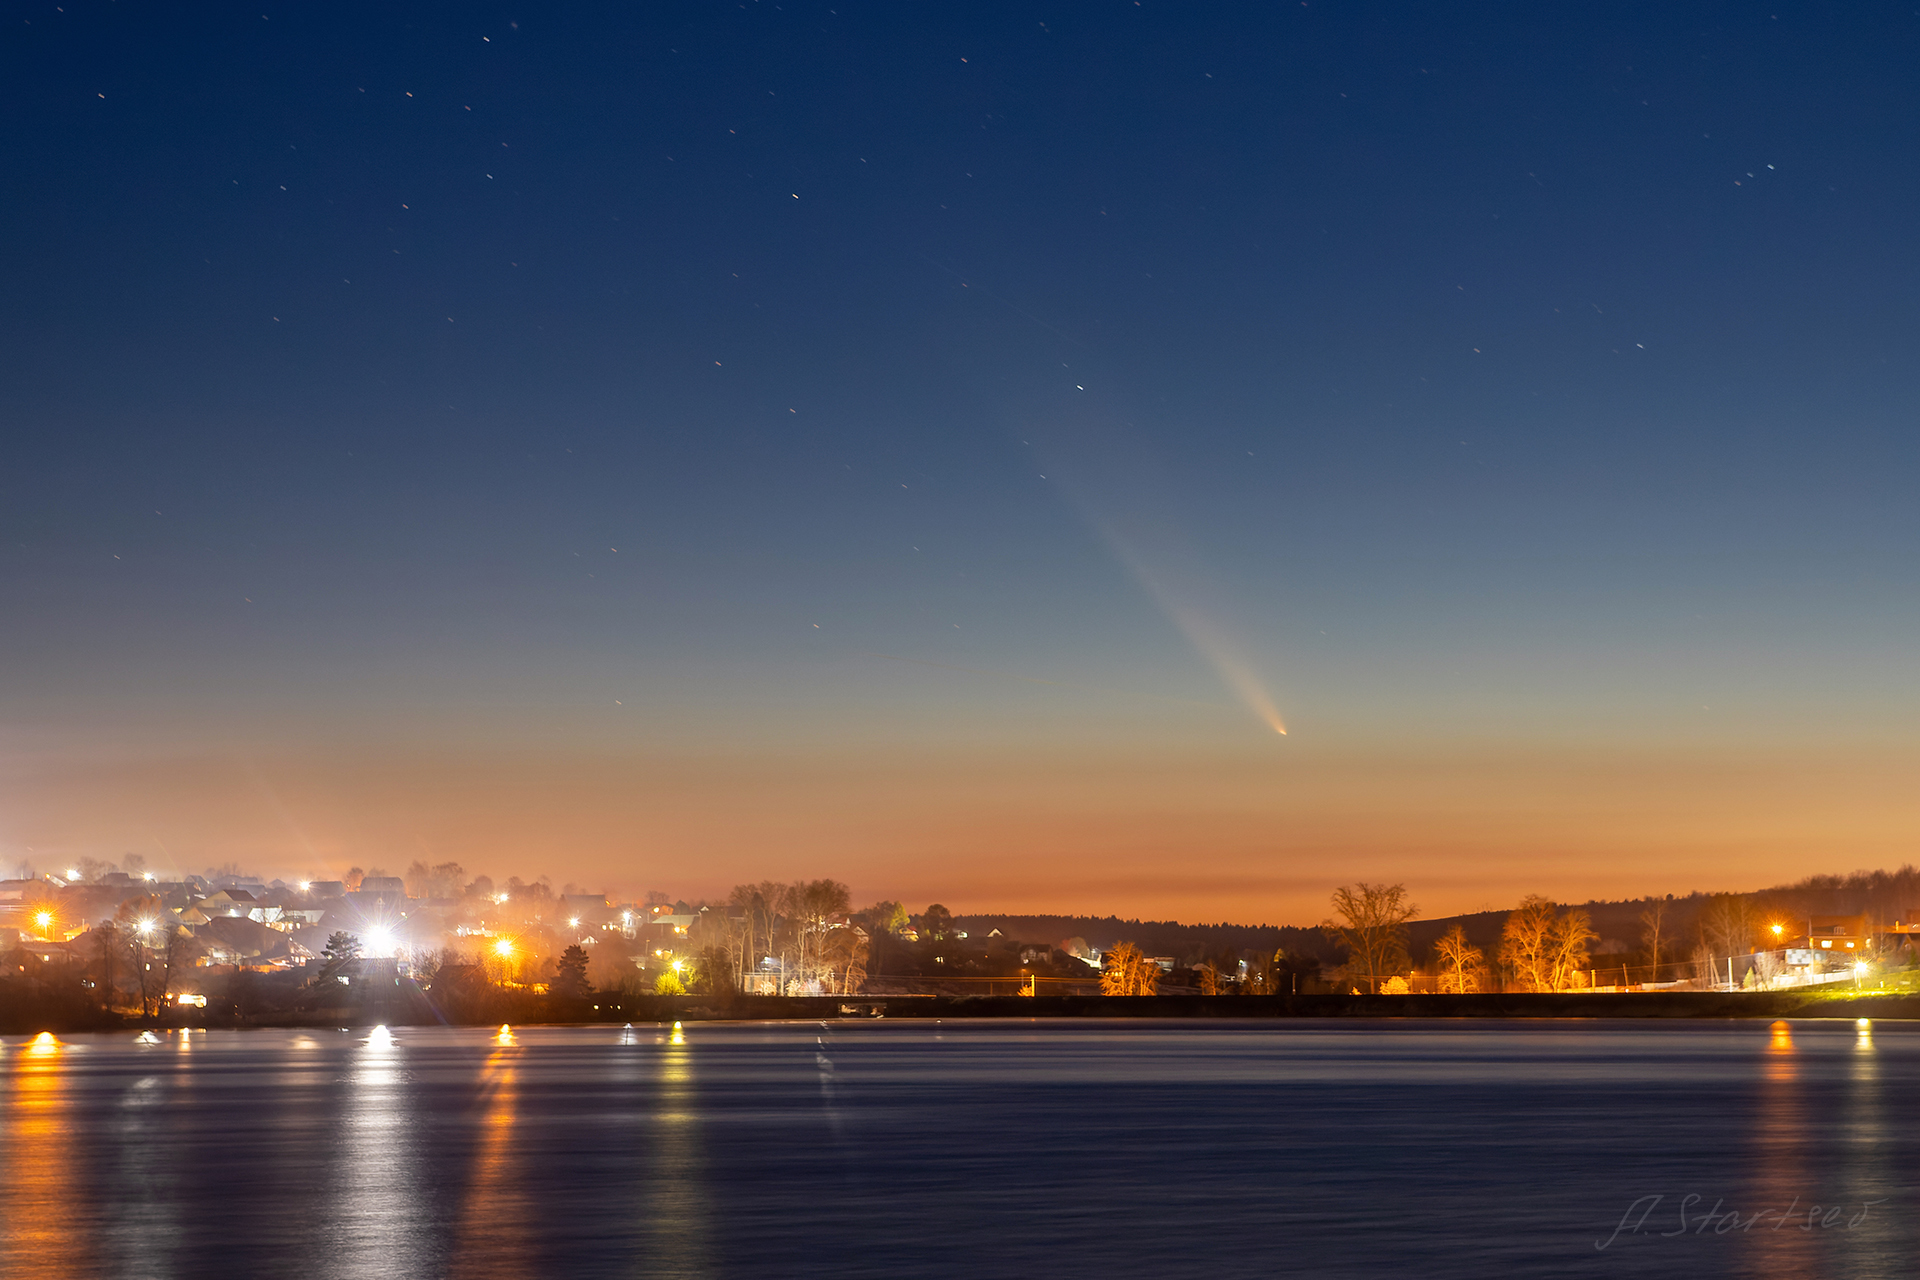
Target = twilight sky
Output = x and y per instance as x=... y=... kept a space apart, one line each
x=664 y=445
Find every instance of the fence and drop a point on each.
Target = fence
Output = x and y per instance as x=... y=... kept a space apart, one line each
x=1756 y=971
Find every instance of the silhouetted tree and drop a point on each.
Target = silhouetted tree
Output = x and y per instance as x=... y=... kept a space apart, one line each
x=570 y=976
x=1373 y=925
x=1654 y=932
x=108 y=943
x=341 y=947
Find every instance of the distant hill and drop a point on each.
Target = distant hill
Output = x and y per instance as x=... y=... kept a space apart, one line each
x=1884 y=895
x=1185 y=942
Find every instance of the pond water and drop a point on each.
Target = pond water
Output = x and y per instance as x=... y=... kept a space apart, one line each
x=967 y=1148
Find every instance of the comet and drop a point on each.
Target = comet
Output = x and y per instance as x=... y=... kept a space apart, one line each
x=1206 y=636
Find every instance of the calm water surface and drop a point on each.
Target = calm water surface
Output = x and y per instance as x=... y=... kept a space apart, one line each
x=975 y=1149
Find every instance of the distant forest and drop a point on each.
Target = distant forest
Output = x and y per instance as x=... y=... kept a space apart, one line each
x=1156 y=937
x=1882 y=895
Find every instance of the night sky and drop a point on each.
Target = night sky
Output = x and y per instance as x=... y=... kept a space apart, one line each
x=661 y=446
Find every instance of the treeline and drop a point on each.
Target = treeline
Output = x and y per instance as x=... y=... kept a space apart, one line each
x=1187 y=944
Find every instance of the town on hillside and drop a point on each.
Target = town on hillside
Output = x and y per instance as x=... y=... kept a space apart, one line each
x=436 y=941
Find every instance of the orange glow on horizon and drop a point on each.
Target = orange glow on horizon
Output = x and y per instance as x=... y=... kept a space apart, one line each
x=982 y=825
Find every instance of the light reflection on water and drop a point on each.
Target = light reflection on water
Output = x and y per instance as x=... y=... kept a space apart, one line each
x=377 y=1222
x=38 y=1211
x=962 y=1148
x=488 y=1239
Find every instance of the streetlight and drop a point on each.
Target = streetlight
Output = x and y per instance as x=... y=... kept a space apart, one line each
x=45 y=920
x=503 y=948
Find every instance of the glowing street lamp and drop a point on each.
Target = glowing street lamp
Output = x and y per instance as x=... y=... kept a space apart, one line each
x=73 y=873
x=45 y=920
x=145 y=927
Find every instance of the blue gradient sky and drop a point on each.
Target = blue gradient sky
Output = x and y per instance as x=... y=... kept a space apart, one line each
x=530 y=469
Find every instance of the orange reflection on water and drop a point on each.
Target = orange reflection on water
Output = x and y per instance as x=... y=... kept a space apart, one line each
x=36 y=1238
x=490 y=1239
x=1780 y=1166
x=678 y=1212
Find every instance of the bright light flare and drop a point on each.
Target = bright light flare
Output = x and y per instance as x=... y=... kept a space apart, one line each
x=146 y=926
x=44 y=919
x=380 y=941
x=503 y=948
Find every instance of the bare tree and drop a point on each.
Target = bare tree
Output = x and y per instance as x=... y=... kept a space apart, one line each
x=141 y=921
x=845 y=951
x=1543 y=948
x=761 y=906
x=1526 y=942
x=1460 y=962
x=812 y=908
x=1373 y=925
x=1654 y=932
x=1727 y=926
x=1572 y=934
x=1128 y=972
x=110 y=942
x=176 y=952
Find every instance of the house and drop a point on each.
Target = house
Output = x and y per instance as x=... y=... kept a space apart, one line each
x=590 y=909
x=1838 y=933
x=228 y=902
x=240 y=941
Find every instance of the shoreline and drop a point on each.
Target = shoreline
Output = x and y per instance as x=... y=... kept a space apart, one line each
x=1485 y=1006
